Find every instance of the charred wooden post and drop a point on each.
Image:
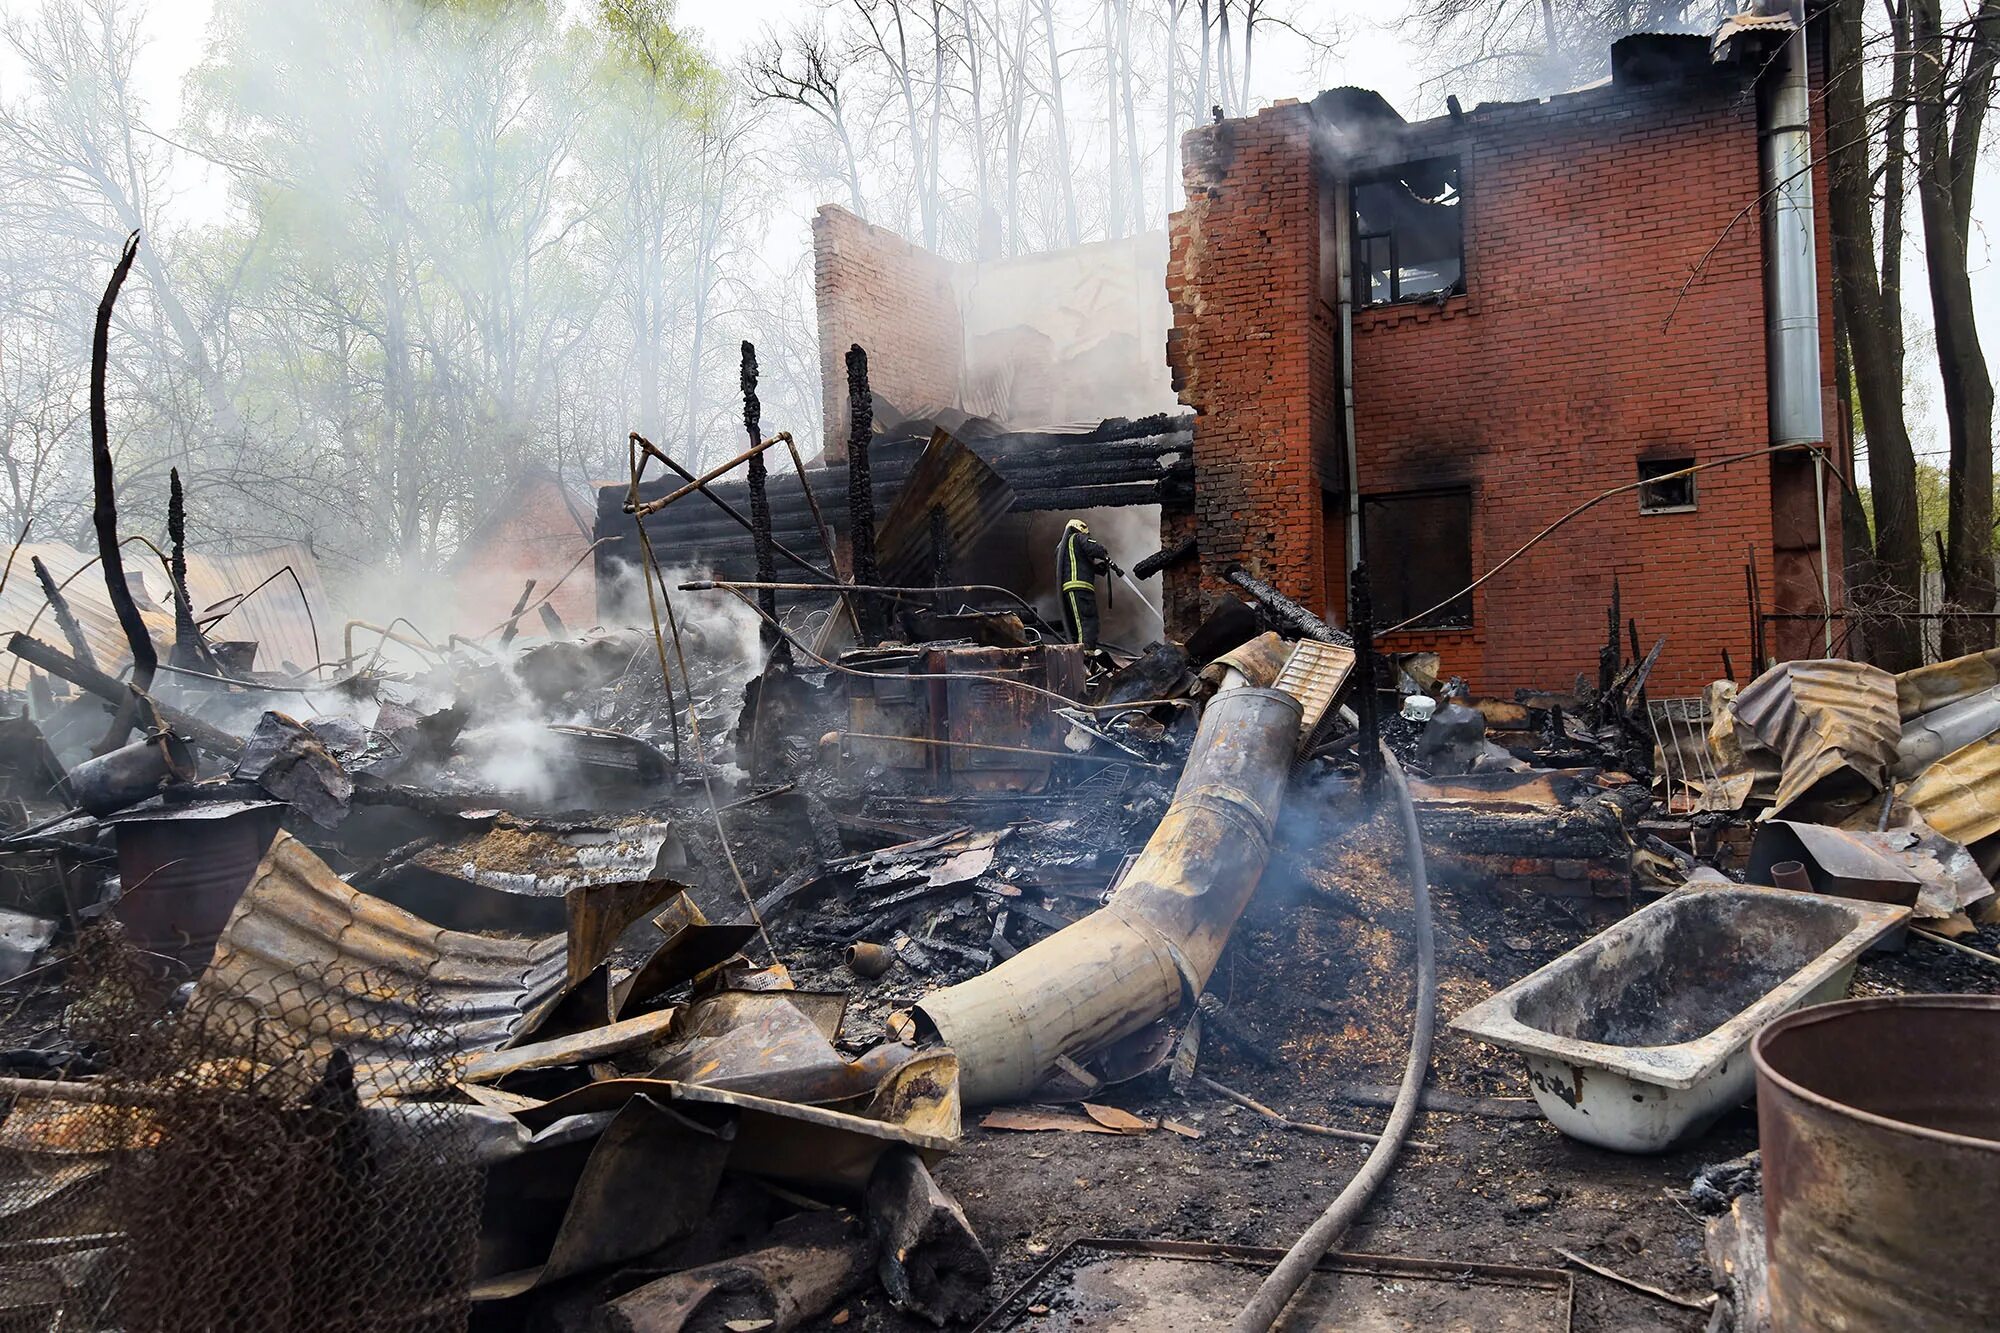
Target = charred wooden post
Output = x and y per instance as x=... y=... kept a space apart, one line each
x=860 y=492
x=1607 y=657
x=190 y=648
x=65 y=618
x=104 y=513
x=1361 y=615
x=775 y=647
x=514 y=617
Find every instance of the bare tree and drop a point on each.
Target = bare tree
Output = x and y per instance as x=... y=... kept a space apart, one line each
x=1868 y=297
x=1953 y=86
x=801 y=70
x=1059 y=123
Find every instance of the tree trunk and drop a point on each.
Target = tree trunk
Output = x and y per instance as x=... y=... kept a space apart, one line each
x=1170 y=149
x=1113 y=183
x=1135 y=159
x=1945 y=168
x=1201 y=79
x=982 y=173
x=1870 y=315
x=1060 y=122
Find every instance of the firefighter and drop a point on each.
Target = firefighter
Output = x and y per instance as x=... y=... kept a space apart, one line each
x=1079 y=560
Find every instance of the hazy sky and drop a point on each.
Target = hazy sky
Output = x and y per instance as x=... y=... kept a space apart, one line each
x=1372 y=53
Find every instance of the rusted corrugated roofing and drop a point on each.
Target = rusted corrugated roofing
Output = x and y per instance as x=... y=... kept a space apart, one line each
x=1833 y=723
x=1959 y=795
x=954 y=481
x=1928 y=687
x=22 y=599
x=336 y=967
x=276 y=616
x=291 y=622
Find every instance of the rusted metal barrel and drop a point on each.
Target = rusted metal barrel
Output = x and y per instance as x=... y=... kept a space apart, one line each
x=1880 y=1127
x=181 y=872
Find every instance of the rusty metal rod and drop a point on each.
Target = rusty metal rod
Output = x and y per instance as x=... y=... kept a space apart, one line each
x=997 y=749
x=652 y=507
x=890 y=589
x=1284 y=1121
x=36 y=653
x=1990 y=960
x=819 y=522
x=736 y=515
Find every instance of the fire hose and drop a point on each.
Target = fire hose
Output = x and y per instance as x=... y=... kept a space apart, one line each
x=1306 y=1252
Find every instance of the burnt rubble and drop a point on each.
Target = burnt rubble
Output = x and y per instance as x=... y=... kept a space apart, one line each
x=657 y=980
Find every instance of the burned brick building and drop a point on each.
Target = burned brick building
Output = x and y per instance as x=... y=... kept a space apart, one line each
x=1419 y=344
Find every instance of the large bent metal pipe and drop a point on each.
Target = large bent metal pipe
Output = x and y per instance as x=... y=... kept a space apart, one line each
x=1131 y=962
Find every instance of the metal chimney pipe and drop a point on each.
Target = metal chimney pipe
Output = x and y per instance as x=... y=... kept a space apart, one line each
x=1791 y=271
x=1154 y=943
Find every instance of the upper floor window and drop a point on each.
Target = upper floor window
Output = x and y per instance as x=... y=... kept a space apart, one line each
x=1409 y=237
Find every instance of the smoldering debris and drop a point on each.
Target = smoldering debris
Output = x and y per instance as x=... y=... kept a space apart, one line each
x=667 y=956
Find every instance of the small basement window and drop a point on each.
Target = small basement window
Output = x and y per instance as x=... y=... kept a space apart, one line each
x=1409 y=239
x=1673 y=496
x=1419 y=551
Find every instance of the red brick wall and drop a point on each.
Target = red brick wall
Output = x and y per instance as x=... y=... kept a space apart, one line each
x=895 y=299
x=533 y=535
x=1251 y=351
x=1567 y=360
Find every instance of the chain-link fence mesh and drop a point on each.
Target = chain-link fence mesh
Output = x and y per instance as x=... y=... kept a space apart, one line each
x=224 y=1171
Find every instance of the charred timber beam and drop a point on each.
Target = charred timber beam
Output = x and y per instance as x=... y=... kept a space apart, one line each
x=1093 y=497
x=695 y=529
x=1288 y=613
x=193 y=729
x=1165 y=559
x=1157 y=939
x=65 y=618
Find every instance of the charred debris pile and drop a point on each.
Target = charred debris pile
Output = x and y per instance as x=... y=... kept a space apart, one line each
x=653 y=972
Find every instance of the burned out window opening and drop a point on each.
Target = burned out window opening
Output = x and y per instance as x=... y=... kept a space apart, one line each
x=1674 y=495
x=1409 y=233
x=1419 y=550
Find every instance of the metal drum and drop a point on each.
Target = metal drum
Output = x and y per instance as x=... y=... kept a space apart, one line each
x=1880 y=1127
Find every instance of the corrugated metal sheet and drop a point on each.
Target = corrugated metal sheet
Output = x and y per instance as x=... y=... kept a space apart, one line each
x=275 y=616
x=970 y=496
x=1930 y=687
x=339 y=968
x=1959 y=795
x=286 y=626
x=22 y=599
x=1833 y=723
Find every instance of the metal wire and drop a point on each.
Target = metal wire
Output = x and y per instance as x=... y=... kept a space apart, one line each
x=226 y=1173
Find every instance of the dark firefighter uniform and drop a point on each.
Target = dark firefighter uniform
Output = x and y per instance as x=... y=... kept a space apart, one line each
x=1079 y=560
